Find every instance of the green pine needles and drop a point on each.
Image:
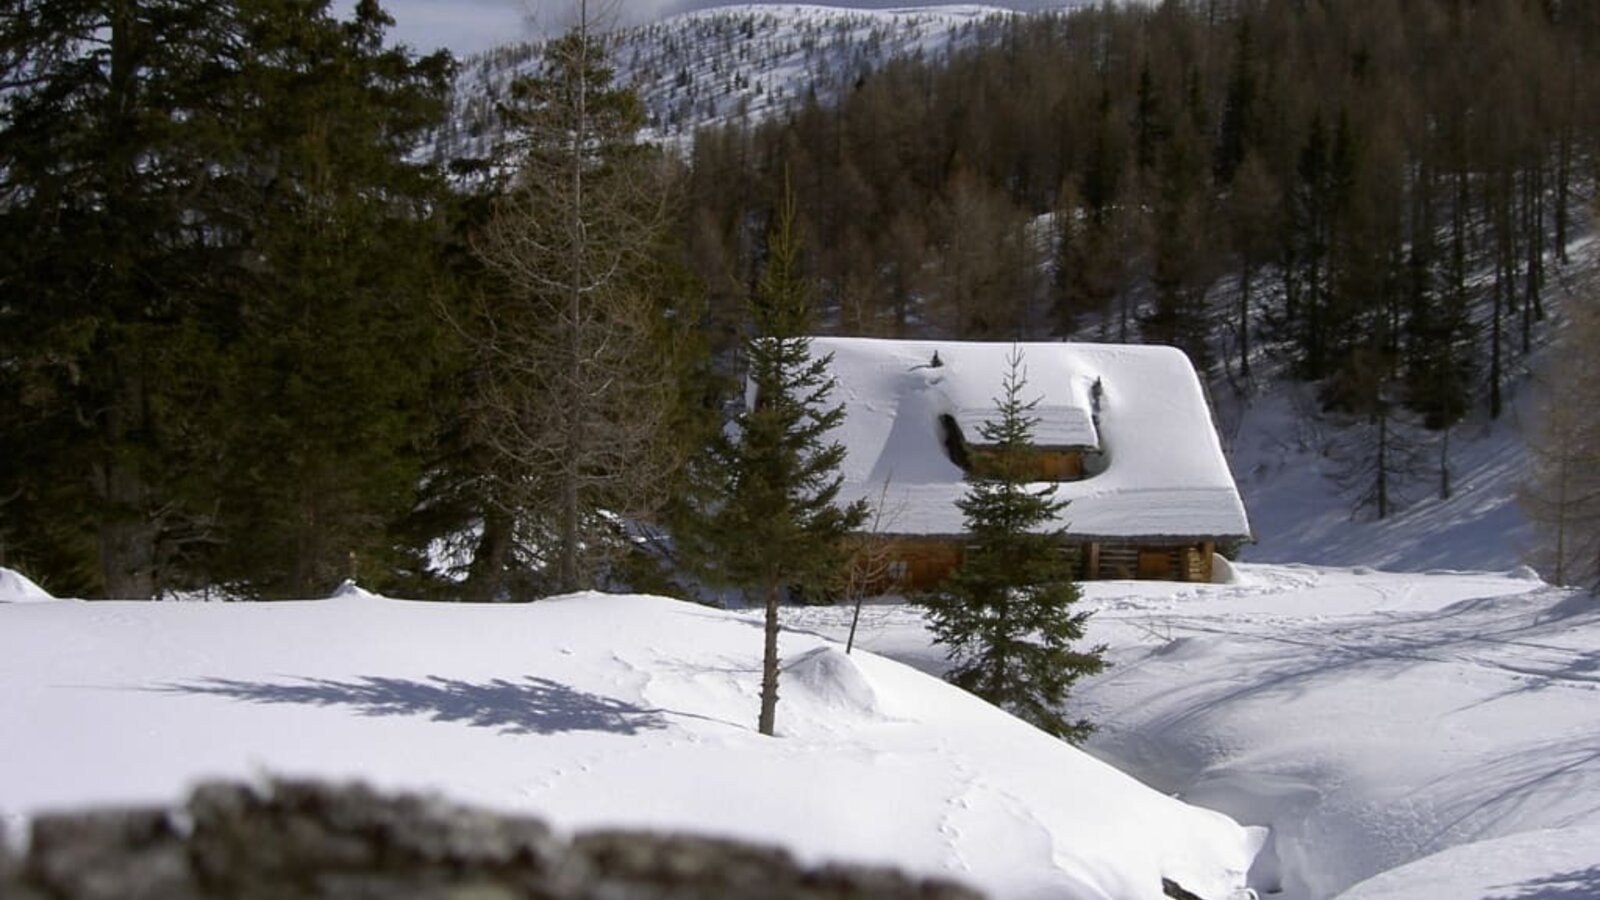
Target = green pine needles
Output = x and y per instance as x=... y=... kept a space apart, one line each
x=1006 y=615
x=770 y=522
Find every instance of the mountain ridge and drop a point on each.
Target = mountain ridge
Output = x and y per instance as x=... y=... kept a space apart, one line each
x=763 y=59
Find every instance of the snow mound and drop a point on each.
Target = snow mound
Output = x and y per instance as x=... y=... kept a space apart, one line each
x=1223 y=571
x=591 y=711
x=1184 y=648
x=832 y=681
x=15 y=587
x=1524 y=573
x=348 y=589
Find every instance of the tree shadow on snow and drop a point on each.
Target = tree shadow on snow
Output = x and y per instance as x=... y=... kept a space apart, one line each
x=1578 y=885
x=1487 y=633
x=530 y=706
x=1521 y=777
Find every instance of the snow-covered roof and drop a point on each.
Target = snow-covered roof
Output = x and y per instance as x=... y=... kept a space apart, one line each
x=1164 y=471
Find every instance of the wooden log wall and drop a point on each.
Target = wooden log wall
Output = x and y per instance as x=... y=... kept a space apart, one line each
x=907 y=564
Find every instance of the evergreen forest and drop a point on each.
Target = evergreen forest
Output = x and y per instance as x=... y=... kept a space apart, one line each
x=259 y=333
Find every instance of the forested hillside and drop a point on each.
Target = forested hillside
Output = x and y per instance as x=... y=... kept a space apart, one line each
x=724 y=64
x=272 y=314
x=1376 y=199
x=1347 y=176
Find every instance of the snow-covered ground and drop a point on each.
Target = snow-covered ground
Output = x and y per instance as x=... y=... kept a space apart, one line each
x=1434 y=733
x=1421 y=736
x=588 y=710
x=1286 y=459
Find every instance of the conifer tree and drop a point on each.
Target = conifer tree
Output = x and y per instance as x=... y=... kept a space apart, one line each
x=105 y=138
x=771 y=520
x=215 y=217
x=324 y=389
x=574 y=340
x=1006 y=615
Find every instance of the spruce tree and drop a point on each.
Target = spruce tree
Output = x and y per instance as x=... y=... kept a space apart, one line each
x=214 y=215
x=1006 y=615
x=332 y=366
x=770 y=519
x=107 y=141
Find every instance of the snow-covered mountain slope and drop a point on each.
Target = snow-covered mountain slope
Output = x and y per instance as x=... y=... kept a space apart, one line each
x=715 y=65
x=1303 y=472
x=588 y=710
x=1287 y=459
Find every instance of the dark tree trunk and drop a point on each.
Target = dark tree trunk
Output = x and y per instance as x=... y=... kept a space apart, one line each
x=567 y=562
x=1383 y=463
x=1245 y=277
x=126 y=539
x=769 y=664
x=491 y=558
x=126 y=536
x=1445 y=489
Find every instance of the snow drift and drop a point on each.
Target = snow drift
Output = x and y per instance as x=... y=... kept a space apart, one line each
x=16 y=588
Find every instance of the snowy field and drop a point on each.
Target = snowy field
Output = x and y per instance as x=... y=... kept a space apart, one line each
x=1403 y=736
x=588 y=710
x=1419 y=736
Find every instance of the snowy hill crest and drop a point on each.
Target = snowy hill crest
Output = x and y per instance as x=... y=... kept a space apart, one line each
x=720 y=65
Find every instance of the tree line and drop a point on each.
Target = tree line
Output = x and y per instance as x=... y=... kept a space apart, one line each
x=1124 y=163
x=216 y=282
x=252 y=337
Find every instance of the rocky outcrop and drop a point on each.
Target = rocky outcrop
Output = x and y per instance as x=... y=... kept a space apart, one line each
x=293 y=839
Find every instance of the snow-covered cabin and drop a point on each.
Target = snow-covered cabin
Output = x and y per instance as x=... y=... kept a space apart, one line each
x=1124 y=431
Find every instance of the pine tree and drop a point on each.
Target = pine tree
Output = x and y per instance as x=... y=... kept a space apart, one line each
x=770 y=518
x=212 y=211
x=326 y=384
x=1238 y=111
x=1006 y=615
x=105 y=141
x=1252 y=222
x=1181 y=270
